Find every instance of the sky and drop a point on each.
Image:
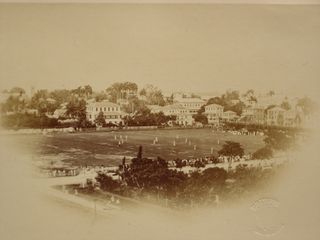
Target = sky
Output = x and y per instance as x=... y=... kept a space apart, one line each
x=194 y=48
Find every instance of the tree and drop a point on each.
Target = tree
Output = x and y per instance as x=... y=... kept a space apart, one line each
x=88 y=90
x=13 y=104
x=214 y=176
x=226 y=100
x=232 y=149
x=100 y=120
x=249 y=95
x=120 y=90
x=217 y=100
x=202 y=187
x=43 y=102
x=139 y=155
x=82 y=91
x=144 y=117
x=237 y=108
x=230 y=95
x=60 y=95
x=153 y=95
x=100 y=96
x=153 y=176
x=17 y=90
x=271 y=93
x=24 y=120
x=279 y=140
x=307 y=105
x=250 y=92
x=77 y=109
x=107 y=183
x=285 y=105
x=134 y=105
x=143 y=92
x=263 y=153
x=170 y=100
x=200 y=118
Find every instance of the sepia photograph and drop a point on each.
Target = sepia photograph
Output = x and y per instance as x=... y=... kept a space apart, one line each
x=160 y=120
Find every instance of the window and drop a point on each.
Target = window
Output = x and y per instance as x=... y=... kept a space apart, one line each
x=104 y=109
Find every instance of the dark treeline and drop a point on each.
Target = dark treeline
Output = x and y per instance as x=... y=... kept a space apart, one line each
x=145 y=178
x=43 y=103
x=151 y=180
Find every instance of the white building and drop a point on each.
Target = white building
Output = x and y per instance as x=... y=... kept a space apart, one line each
x=111 y=111
x=253 y=114
x=61 y=111
x=293 y=118
x=229 y=116
x=275 y=116
x=214 y=113
x=192 y=104
x=182 y=114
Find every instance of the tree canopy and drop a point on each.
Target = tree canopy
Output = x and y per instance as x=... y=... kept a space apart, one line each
x=100 y=120
x=153 y=95
x=119 y=90
x=231 y=148
x=263 y=153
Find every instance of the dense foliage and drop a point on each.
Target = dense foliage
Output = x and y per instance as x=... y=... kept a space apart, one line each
x=22 y=120
x=231 y=149
x=144 y=178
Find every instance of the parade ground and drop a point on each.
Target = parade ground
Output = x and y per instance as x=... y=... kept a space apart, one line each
x=108 y=148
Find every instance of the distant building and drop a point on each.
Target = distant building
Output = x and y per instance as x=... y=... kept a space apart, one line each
x=229 y=116
x=60 y=112
x=179 y=95
x=293 y=118
x=192 y=104
x=275 y=116
x=125 y=94
x=111 y=111
x=214 y=113
x=235 y=101
x=51 y=100
x=155 y=108
x=253 y=114
x=182 y=114
x=31 y=111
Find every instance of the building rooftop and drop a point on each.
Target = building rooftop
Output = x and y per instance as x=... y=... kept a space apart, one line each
x=229 y=111
x=104 y=103
x=190 y=100
x=214 y=105
x=277 y=108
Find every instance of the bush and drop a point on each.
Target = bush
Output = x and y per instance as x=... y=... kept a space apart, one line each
x=24 y=120
x=263 y=153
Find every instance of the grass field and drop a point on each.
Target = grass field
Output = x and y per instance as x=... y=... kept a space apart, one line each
x=98 y=148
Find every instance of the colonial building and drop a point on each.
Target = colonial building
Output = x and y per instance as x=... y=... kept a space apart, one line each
x=275 y=116
x=253 y=114
x=182 y=114
x=229 y=116
x=111 y=111
x=192 y=104
x=214 y=113
x=293 y=118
